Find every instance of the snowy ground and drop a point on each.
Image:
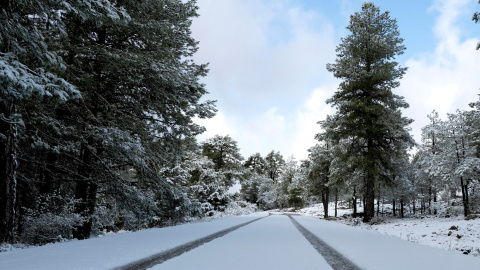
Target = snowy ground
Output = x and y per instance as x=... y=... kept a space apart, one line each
x=114 y=250
x=272 y=242
x=269 y=243
x=452 y=234
x=372 y=251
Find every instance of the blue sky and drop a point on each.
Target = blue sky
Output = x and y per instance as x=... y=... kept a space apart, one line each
x=267 y=65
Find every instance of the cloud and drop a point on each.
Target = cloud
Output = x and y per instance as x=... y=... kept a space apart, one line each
x=266 y=57
x=446 y=79
x=218 y=125
x=313 y=110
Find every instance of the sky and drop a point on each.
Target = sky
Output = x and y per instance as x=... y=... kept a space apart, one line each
x=267 y=62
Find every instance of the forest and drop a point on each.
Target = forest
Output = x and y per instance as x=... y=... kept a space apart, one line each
x=97 y=134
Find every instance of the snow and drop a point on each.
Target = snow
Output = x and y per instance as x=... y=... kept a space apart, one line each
x=428 y=230
x=270 y=243
x=371 y=250
x=451 y=234
x=115 y=250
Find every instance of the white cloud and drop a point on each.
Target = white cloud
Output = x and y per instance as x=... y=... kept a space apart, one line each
x=218 y=125
x=265 y=58
x=446 y=79
x=262 y=53
x=306 y=122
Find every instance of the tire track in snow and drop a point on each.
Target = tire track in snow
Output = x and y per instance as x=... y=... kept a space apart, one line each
x=177 y=251
x=336 y=260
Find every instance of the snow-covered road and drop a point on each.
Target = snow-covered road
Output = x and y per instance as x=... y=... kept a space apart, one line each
x=273 y=242
x=270 y=243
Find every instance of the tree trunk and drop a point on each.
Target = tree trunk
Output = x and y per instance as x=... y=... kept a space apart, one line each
x=378 y=202
x=85 y=194
x=325 y=199
x=402 y=208
x=354 y=202
x=394 y=209
x=336 y=201
x=466 y=205
x=8 y=166
x=369 y=207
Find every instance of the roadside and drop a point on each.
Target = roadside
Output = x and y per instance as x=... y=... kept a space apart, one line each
x=451 y=233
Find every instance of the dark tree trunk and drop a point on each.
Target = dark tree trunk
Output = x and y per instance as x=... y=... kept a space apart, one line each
x=325 y=199
x=402 y=208
x=354 y=202
x=369 y=206
x=394 y=209
x=85 y=194
x=336 y=201
x=466 y=205
x=8 y=182
x=378 y=202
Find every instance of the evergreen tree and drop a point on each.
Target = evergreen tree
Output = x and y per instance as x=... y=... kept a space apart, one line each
x=223 y=151
x=256 y=163
x=141 y=91
x=367 y=110
x=275 y=163
x=320 y=157
x=30 y=73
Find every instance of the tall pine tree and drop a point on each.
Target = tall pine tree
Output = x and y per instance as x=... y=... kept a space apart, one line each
x=367 y=110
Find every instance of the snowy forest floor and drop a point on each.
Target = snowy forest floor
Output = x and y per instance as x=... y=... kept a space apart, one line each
x=451 y=233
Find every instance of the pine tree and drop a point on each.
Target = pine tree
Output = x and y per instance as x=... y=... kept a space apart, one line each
x=223 y=151
x=275 y=163
x=256 y=163
x=131 y=61
x=30 y=75
x=320 y=157
x=367 y=110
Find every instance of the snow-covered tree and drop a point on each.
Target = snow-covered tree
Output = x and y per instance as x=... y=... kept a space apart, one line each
x=367 y=109
x=138 y=79
x=450 y=153
x=225 y=154
x=223 y=151
x=320 y=158
x=275 y=163
x=256 y=163
x=284 y=181
x=30 y=73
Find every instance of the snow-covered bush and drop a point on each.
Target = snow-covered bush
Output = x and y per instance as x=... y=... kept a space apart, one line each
x=235 y=208
x=52 y=220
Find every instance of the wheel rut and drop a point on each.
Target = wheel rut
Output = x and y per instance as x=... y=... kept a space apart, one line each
x=336 y=260
x=177 y=251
